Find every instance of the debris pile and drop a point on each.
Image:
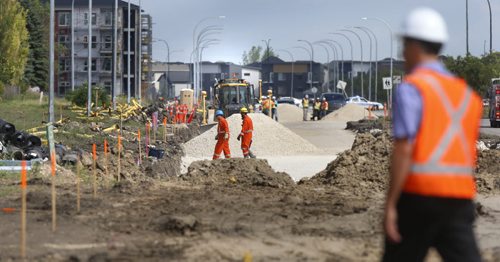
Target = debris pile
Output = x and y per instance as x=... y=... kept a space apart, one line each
x=236 y=171
x=488 y=171
x=19 y=145
x=349 y=112
x=361 y=171
x=270 y=139
x=289 y=113
x=365 y=125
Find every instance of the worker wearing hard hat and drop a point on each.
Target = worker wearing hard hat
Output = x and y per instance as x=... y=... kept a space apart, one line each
x=436 y=124
x=316 y=109
x=324 y=108
x=275 y=109
x=222 y=136
x=305 y=107
x=267 y=106
x=246 y=133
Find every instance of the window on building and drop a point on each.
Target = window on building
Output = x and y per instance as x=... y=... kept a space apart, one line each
x=106 y=64
x=281 y=77
x=247 y=74
x=108 y=17
x=64 y=19
x=107 y=85
x=94 y=65
x=64 y=65
x=86 y=19
x=107 y=41
x=63 y=39
x=86 y=42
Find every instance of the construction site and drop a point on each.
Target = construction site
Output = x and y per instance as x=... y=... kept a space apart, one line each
x=314 y=193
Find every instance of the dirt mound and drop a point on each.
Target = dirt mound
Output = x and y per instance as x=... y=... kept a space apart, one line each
x=488 y=171
x=289 y=113
x=363 y=170
x=270 y=138
x=236 y=171
x=364 y=125
x=349 y=112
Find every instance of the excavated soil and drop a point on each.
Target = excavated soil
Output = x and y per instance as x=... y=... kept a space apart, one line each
x=363 y=170
x=236 y=171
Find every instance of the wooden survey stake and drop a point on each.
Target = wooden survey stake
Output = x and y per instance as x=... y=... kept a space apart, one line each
x=139 y=140
x=23 y=209
x=165 y=129
x=78 y=186
x=94 y=158
x=53 y=169
x=119 y=156
x=106 y=158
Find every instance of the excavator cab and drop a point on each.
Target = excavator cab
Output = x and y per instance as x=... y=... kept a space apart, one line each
x=233 y=94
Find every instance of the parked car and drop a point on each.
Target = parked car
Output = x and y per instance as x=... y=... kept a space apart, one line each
x=364 y=102
x=335 y=100
x=290 y=100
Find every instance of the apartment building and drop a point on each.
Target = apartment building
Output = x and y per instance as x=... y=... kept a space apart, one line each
x=102 y=45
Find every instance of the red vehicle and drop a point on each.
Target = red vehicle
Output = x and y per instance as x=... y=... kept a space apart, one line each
x=495 y=103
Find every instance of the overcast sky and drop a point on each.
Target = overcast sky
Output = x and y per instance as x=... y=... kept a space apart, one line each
x=247 y=22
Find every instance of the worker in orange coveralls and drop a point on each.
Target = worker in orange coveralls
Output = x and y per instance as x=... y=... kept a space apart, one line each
x=222 y=136
x=246 y=134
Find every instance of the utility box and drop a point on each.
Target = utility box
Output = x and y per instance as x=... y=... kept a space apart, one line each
x=187 y=98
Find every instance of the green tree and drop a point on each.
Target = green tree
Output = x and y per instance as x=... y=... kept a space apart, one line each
x=13 y=42
x=37 y=23
x=257 y=54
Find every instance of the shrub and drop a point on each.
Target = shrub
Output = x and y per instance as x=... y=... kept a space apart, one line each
x=79 y=96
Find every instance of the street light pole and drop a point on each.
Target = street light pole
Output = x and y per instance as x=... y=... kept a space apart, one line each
x=293 y=69
x=335 y=58
x=467 y=27
x=389 y=97
x=336 y=44
x=89 y=60
x=205 y=32
x=73 y=45
x=371 y=59
x=139 y=54
x=51 y=63
x=128 y=52
x=310 y=70
x=491 y=28
x=376 y=58
x=361 y=49
x=312 y=59
x=352 y=59
x=115 y=56
x=328 y=63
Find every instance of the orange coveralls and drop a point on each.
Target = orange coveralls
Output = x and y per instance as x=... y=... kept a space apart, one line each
x=222 y=143
x=246 y=135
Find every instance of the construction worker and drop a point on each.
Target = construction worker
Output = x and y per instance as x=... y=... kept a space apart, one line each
x=436 y=125
x=267 y=105
x=305 y=107
x=275 y=109
x=316 y=109
x=246 y=133
x=324 y=108
x=222 y=136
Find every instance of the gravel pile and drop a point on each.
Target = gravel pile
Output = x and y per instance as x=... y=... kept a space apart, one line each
x=349 y=112
x=289 y=113
x=270 y=138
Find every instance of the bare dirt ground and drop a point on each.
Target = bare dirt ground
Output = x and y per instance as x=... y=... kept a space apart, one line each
x=226 y=210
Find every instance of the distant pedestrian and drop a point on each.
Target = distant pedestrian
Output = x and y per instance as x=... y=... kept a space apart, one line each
x=267 y=105
x=275 y=109
x=324 y=108
x=316 y=110
x=435 y=127
x=222 y=136
x=305 y=107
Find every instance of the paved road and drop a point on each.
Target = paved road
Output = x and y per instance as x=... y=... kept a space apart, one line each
x=486 y=129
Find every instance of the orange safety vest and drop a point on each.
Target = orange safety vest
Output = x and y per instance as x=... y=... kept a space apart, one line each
x=444 y=153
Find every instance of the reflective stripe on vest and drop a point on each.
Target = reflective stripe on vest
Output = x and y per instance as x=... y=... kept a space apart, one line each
x=454 y=129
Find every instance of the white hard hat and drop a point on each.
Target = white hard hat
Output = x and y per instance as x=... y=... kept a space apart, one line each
x=425 y=24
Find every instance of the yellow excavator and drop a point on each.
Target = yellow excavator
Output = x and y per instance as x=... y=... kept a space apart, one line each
x=230 y=95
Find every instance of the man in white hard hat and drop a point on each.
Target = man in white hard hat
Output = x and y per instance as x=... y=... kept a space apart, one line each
x=436 y=125
x=305 y=107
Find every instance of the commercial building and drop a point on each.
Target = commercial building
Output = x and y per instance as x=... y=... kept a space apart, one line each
x=74 y=16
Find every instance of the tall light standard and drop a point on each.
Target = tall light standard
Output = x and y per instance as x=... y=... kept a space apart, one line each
x=73 y=45
x=205 y=45
x=139 y=54
x=312 y=59
x=336 y=58
x=196 y=49
x=361 y=49
x=352 y=59
x=335 y=43
x=310 y=66
x=491 y=28
x=89 y=60
x=389 y=93
x=205 y=32
x=467 y=27
x=128 y=52
x=371 y=58
x=115 y=56
x=376 y=58
x=325 y=45
x=293 y=69
x=51 y=62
